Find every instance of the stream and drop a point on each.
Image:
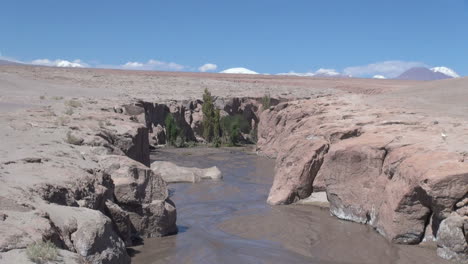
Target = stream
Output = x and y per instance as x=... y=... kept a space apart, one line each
x=229 y=221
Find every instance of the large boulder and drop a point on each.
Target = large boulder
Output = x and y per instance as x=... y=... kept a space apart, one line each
x=134 y=182
x=171 y=172
x=154 y=219
x=453 y=238
x=18 y=231
x=89 y=233
x=143 y=194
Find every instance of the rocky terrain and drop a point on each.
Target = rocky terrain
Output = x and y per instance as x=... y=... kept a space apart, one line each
x=402 y=172
x=74 y=156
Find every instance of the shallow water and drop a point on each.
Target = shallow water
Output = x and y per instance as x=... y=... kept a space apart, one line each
x=229 y=221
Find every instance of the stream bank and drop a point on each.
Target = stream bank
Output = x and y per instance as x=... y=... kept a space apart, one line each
x=228 y=221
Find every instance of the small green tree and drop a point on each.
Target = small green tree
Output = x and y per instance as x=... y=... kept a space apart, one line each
x=217 y=128
x=208 y=116
x=231 y=128
x=266 y=102
x=172 y=130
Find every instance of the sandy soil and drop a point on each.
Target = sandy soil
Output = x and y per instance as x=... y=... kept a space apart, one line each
x=33 y=106
x=23 y=85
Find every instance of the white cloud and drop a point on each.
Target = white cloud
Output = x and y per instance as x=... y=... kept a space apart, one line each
x=132 y=65
x=379 y=77
x=293 y=73
x=390 y=69
x=153 y=65
x=327 y=72
x=319 y=72
x=208 y=67
x=60 y=63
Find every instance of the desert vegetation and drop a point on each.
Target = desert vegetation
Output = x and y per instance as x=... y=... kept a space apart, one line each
x=174 y=134
x=42 y=252
x=266 y=102
x=219 y=130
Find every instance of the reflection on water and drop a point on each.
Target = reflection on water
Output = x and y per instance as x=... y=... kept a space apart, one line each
x=229 y=221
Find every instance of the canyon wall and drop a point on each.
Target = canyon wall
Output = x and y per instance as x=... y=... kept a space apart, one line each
x=81 y=180
x=404 y=173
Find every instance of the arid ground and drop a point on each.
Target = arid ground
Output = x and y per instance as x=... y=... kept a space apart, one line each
x=64 y=132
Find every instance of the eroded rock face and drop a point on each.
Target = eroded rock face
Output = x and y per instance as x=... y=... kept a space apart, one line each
x=90 y=199
x=355 y=162
x=301 y=163
x=131 y=140
x=188 y=115
x=143 y=194
x=453 y=239
x=374 y=167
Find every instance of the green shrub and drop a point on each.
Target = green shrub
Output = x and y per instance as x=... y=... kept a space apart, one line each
x=217 y=129
x=208 y=116
x=69 y=111
x=231 y=128
x=172 y=130
x=266 y=102
x=73 y=103
x=74 y=140
x=42 y=252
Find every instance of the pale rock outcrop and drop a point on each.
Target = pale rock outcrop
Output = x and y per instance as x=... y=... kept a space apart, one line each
x=453 y=238
x=19 y=256
x=171 y=172
x=55 y=190
x=89 y=233
x=17 y=230
x=129 y=139
x=391 y=170
x=143 y=194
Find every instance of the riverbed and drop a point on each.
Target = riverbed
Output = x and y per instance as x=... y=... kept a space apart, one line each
x=229 y=221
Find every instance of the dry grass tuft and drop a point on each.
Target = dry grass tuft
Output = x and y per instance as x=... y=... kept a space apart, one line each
x=42 y=252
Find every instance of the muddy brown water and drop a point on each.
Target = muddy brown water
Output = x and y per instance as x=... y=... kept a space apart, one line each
x=229 y=221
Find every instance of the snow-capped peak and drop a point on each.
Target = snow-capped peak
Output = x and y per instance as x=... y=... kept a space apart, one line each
x=239 y=71
x=379 y=77
x=446 y=71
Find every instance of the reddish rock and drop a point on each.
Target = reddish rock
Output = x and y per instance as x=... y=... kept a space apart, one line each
x=296 y=168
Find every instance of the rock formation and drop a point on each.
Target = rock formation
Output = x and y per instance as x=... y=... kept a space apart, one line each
x=189 y=117
x=81 y=181
x=390 y=169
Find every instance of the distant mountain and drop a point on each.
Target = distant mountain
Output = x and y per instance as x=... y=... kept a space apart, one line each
x=239 y=71
x=7 y=62
x=423 y=74
x=379 y=77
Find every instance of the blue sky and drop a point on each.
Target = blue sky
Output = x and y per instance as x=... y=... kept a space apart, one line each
x=267 y=36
